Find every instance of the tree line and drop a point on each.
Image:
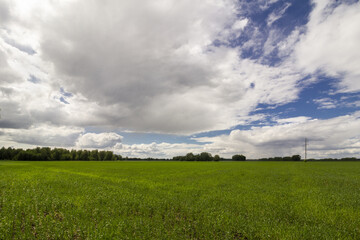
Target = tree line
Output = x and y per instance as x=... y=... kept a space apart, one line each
x=293 y=158
x=205 y=156
x=61 y=154
x=56 y=154
x=298 y=158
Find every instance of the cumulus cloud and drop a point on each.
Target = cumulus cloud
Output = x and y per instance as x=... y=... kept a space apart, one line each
x=157 y=150
x=98 y=140
x=41 y=135
x=336 y=137
x=160 y=72
x=331 y=43
x=156 y=65
x=328 y=138
x=136 y=49
x=140 y=54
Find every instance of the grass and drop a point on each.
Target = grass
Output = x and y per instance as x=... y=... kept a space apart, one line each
x=179 y=200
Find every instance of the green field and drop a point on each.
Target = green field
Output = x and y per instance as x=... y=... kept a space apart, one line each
x=179 y=200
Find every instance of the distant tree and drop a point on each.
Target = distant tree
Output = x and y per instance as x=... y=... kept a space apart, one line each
x=94 y=155
x=37 y=150
x=64 y=154
x=55 y=154
x=216 y=158
x=78 y=155
x=238 y=157
x=102 y=155
x=296 y=158
x=73 y=154
x=66 y=157
x=45 y=153
x=205 y=156
x=108 y=156
x=23 y=156
x=28 y=155
x=3 y=153
x=84 y=156
x=11 y=152
x=190 y=157
x=180 y=158
x=349 y=159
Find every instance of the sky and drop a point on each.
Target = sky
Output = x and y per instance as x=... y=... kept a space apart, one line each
x=162 y=78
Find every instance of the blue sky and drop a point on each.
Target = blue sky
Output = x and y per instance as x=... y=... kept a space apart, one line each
x=164 y=78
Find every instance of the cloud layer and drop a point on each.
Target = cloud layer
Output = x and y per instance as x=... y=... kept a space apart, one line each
x=337 y=137
x=174 y=67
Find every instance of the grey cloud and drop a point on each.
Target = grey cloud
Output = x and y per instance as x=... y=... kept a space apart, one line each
x=152 y=69
x=122 y=73
x=138 y=54
x=54 y=115
x=6 y=91
x=6 y=74
x=4 y=12
x=12 y=115
x=16 y=123
x=44 y=135
x=153 y=66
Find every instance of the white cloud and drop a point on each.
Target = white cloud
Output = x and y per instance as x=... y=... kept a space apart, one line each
x=337 y=137
x=157 y=150
x=150 y=67
x=164 y=81
x=331 y=43
x=326 y=103
x=300 y=119
x=98 y=140
x=41 y=135
x=276 y=15
x=328 y=138
x=153 y=67
x=240 y=24
x=329 y=103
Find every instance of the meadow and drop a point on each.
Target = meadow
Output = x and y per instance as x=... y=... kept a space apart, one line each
x=179 y=200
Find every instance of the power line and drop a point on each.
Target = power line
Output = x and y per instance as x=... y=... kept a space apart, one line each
x=306 y=144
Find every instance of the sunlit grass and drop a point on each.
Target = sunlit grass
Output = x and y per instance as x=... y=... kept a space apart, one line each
x=179 y=200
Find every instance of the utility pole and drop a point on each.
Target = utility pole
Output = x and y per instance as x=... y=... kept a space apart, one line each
x=306 y=143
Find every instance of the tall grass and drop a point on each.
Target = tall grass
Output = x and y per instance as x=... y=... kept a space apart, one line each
x=179 y=200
